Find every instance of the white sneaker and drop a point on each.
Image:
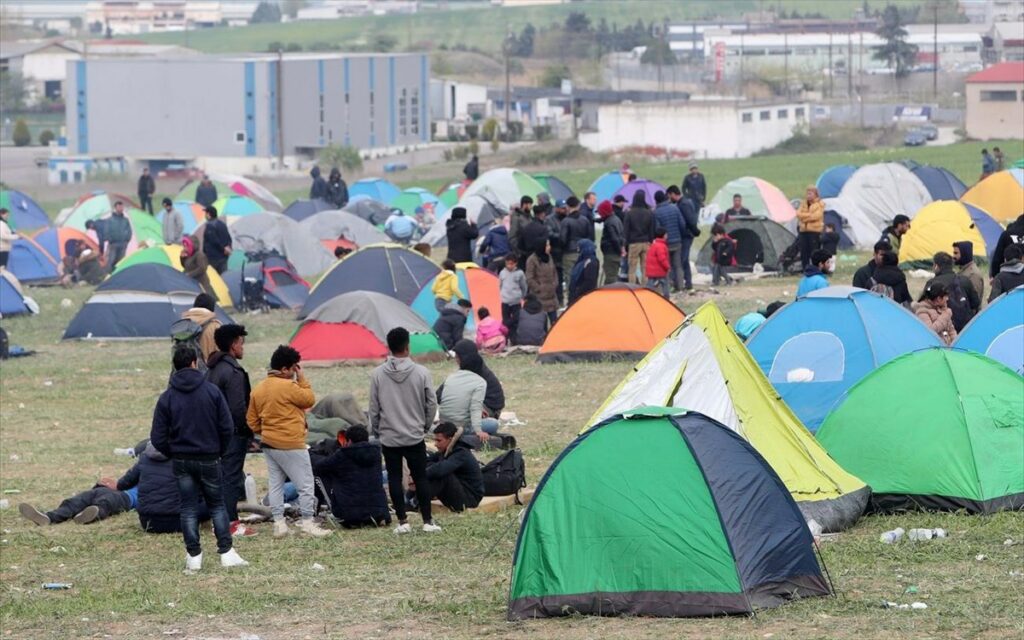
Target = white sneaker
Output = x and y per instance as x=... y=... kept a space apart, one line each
x=281 y=528
x=403 y=528
x=310 y=527
x=232 y=559
x=193 y=563
x=430 y=527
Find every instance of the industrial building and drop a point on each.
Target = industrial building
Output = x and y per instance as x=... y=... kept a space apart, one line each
x=995 y=102
x=246 y=114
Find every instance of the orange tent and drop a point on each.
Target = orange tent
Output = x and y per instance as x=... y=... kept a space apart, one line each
x=617 y=322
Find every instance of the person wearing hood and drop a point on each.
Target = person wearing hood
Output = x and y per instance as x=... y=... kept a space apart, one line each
x=810 y=223
x=472 y=169
x=203 y=313
x=639 y=232
x=933 y=310
x=815 y=274
x=402 y=407
x=658 y=263
x=317 y=190
x=862 y=276
x=542 y=280
x=277 y=414
x=518 y=219
x=469 y=359
x=206 y=192
x=1011 y=273
x=453 y=472
x=1013 y=234
x=192 y=426
x=889 y=274
x=585 y=273
x=446 y=286
x=612 y=242
x=457 y=396
x=451 y=323
x=461 y=233
x=351 y=476
x=227 y=374
x=533 y=323
x=195 y=265
x=216 y=240
x=963 y=257
x=337 y=189
x=158 y=501
x=173 y=225
x=495 y=246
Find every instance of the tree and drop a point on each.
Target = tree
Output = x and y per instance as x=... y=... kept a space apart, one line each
x=897 y=53
x=383 y=42
x=293 y=47
x=275 y=47
x=45 y=137
x=21 y=136
x=554 y=74
x=291 y=7
x=12 y=91
x=577 y=23
x=658 y=52
x=346 y=157
x=266 y=13
x=523 y=44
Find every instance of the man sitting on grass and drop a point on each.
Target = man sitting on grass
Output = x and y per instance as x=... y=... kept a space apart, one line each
x=453 y=472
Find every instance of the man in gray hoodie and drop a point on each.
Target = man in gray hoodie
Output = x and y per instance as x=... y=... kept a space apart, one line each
x=402 y=407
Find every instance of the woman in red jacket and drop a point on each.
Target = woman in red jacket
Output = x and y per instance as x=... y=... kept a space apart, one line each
x=658 y=263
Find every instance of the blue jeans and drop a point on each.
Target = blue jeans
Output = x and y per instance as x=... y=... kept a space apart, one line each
x=489 y=426
x=195 y=478
x=658 y=283
x=680 y=258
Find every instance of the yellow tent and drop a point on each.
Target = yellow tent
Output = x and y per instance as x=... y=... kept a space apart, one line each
x=703 y=366
x=938 y=225
x=1001 y=195
x=170 y=255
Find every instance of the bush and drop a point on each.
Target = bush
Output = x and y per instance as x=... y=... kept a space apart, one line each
x=474 y=147
x=346 y=157
x=554 y=74
x=490 y=126
x=46 y=137
x=542 y=132
x=472 y=130
x=21 y=136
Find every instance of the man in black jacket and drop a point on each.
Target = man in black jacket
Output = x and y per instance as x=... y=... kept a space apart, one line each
x=453 y=473
x=206 y=192
x=612 y=242
x=451 y=324
x=572 y=228
x=228 y=375
x=1013 y=234
x=691 y=229
x=146 y=189
x=695 y=188
x=318 y=188
x=472 y=168
x=192 y=426
x=216 y=241
x=159 y=501
x=942 y=265
x=862 y=277
x=350 y=472
x=461 y=234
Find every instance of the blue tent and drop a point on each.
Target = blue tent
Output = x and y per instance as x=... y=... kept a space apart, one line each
x=25 y=214
x=816 y=348
x=606 y=185
x=12 y=303
x=998 y=331
x=30 y=263
x=391 y=269
x=282 y=286
x=378 y=189
x=302 y=209
x=940 y=183
x=150 y=277
x=833 y=218
x=831 y=180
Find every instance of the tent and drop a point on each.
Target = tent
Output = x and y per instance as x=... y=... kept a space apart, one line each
x=235 y=206
x=170 y=256
x=831 y=180
x=557 y=189
x=998 y=331
x=283 y=287
x=410 y=199
x=138 y=303
x=1001 y=195
x=228 y=184
x=703 y=366
x=816 y=348
x=842 y=226
x=880 y=191
x=660 y=512
x=337 y=227
x=12 y=298
x=377 y=189
x=451 y=193
x=32 y=264
x=857 y=227
x=54 y=240
x=934 y=429
x=275 y=232
x=506 y=187
x=25 y=214
x=373 y=211
x=302 y=209
x=760 y=196
x=605 y=186
x=649 y=187
x=480 y=286
x=482 y=208
x=146 y=230
x=758 y=241
x=641 y=319
x=92 y=206
x=938 y=225
x=941 y=183
x=353 y=327
x=390 y=269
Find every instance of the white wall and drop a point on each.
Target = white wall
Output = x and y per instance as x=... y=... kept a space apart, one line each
x=707 y=130
x=49 y=65
x=441 y=104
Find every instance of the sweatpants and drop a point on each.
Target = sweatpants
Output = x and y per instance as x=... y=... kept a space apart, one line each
x=510 y=318
x=637 y=262
x=232 y=467
x=611 y=263
x=110 y=502
x=415 y=456
x=294 y=465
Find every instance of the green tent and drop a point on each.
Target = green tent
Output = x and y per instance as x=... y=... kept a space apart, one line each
x=660 y=512
x=934 y=429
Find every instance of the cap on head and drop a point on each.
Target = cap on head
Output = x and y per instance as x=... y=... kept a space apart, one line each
x=693 y=165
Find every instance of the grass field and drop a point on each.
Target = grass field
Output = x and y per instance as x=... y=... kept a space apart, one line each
x=64 y=410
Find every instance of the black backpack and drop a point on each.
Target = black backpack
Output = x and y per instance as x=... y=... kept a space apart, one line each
x=505 y=475
x=5 y=345
x=959 y=304
x=188 y=332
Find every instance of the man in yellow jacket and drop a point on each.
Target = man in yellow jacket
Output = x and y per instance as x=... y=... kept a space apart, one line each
x=277 y=414
x=811 y=222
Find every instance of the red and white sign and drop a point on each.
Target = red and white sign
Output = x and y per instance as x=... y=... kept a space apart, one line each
x=719 y=61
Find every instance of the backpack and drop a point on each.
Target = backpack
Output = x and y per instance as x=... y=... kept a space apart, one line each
x=505 y=475
x=959 y=304
x=882 y=289
x=188 y=332
x=5 y=344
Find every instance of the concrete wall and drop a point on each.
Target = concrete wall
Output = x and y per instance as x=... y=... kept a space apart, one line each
x=707 y=130
x=988 y=119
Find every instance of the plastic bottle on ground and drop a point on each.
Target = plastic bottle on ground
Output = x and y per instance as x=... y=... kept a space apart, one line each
x=890 y=537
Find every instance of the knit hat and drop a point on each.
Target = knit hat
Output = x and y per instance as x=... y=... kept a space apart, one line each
x=693 y=165
x=459 y=213
x=604 y=209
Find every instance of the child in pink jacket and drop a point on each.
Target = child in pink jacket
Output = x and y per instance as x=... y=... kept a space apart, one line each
x=491 y=334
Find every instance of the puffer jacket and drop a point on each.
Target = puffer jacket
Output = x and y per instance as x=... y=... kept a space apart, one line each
x=352 y=477
x=450 y=326
x=459 y=461
x=941 y=322
x=460 y=235
x=811 y=216
x=533 y=325
x=153 y=474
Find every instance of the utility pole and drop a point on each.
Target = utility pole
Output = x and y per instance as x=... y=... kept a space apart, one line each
x=280 y=110
x=508 y=80
x=743 y=54
x=785 y=58
x=935 y=49
x=831 y=70
x=849 y=65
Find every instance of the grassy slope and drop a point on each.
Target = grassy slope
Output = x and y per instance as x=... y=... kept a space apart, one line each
x=129 y=585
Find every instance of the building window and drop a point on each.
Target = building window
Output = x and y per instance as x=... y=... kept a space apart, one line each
x=748 y=117
x=998 y=96
x=783 y=114
x=321 y=116
x=402 y=113
x=766 y=115
x=414 y=109
x=800 y=113
x=372 y=113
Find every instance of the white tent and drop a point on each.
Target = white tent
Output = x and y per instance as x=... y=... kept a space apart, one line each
x=332 y=224
x=269 y=230
x=876 y=193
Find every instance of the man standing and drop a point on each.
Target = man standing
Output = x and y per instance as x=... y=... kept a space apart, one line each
x=893 y=234
x=228 y=375
x=402 y=407
x=572 y=229
x=460 y=233
x=612 y=242
x=988 y=165
x=639 y=232
x=118 y=235
x=472 y=169
x=147 y=187
x=1013 y=234
x=533 y=232
x=691 y=229
x=810 y=223
x=192 y=426
x=7 y=237
x=670 y=218
x=963 y=256
x=998 y=159
x=520 y=217
x=206 y=192
x=587 y=209
x=318 y=189
x=695 y=188
x=173 y=223
x=216 y=241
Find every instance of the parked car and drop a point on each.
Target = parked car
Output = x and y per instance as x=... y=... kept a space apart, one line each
x=915 y=138
x=929 y=130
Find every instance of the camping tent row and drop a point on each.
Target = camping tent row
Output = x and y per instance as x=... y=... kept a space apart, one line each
x=941 y=184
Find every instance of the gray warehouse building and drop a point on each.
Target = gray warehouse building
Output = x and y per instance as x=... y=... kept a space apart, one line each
x=246 y=113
